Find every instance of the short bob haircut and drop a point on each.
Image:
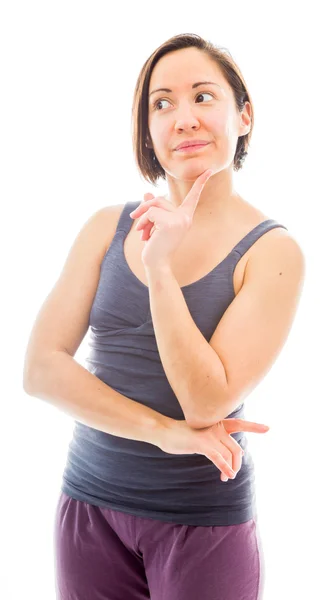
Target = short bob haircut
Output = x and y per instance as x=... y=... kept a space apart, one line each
x=145 y=158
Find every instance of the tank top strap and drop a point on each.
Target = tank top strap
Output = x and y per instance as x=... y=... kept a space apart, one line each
x=125 y=221
x=255 y=234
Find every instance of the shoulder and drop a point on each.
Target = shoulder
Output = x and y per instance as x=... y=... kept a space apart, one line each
x=109 y=212
x=277 y=251
x=106 y=220
x=276 y=248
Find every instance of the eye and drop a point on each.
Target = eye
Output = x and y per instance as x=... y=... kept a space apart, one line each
x=165 y=100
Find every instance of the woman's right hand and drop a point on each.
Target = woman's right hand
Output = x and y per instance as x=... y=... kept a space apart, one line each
x=214 y=442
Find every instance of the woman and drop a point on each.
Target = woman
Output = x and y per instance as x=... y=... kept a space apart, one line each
x=186 y=321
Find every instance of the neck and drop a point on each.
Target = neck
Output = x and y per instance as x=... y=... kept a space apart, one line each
x=217 y=199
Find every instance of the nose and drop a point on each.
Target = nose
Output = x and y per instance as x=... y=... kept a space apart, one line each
x=186 y=119
x=187 y=124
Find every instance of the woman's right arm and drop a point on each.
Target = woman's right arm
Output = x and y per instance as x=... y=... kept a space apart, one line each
x=51 y=372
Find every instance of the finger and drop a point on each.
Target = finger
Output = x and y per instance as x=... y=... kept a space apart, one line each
x=216 y=457
x=235 y=425
x=148 y=218
x=159 y=202
x=146 y=232
x=227 y=455
x=235 y=450
x=143 y=224
x=147 y=196
x=189 y=204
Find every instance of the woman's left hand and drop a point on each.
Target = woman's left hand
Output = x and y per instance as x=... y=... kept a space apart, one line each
x=165 y=226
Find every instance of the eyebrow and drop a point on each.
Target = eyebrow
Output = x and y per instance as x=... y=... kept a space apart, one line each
x=193 y=86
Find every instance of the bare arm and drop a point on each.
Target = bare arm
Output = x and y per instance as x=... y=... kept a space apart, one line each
x=51 y=372
x=211 y=379
x=66 y=384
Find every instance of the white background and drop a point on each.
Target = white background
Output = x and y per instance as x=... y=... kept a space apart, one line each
x=68 y=71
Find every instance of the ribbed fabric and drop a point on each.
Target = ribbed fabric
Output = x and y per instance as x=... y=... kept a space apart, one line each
x=137 y=477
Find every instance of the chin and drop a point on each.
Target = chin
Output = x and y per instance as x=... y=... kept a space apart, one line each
x=195 y=171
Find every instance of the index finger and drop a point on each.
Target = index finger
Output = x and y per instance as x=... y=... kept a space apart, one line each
x=234 y=448
x=242 y=425
x=190 y=202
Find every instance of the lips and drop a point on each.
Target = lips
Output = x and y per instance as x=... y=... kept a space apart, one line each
x=190 y=144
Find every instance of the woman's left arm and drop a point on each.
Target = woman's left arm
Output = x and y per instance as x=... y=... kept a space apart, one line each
x=211 y=379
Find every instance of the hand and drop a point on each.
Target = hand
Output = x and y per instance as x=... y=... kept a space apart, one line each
x=165 y=226
x=214 y=442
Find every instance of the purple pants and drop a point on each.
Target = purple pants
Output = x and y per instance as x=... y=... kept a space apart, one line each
x=103 y=554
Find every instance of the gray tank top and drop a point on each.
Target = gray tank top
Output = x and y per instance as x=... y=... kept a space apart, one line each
x=135 y=477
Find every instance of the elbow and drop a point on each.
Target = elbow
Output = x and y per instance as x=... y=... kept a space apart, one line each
x=26 y=380
x=205 y=407
x=203 y=423
x=222 y=409
x=199 y=422
x=27 y=384
x=29 y=378
x=196 y=425
x=28 y=387
x=194 y=419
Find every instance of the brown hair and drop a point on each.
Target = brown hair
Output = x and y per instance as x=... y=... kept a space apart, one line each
x=145 y=157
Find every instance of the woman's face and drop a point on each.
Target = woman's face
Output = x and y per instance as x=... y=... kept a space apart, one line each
x=207 y=112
